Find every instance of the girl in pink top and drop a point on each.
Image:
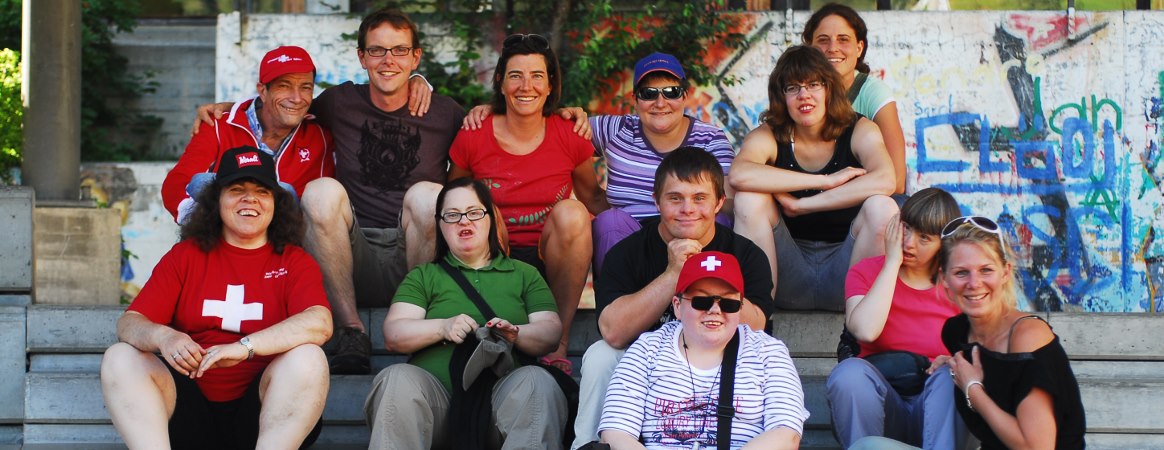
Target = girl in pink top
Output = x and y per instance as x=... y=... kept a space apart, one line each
x=893 y=302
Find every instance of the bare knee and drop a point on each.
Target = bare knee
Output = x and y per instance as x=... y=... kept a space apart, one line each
x=307 y=360
x=755 y=209
x=876 y=212
x=323 y=200
x=569 y=216
x=420 y=199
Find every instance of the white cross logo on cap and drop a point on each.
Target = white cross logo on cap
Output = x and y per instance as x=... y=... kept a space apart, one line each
x=711 y=263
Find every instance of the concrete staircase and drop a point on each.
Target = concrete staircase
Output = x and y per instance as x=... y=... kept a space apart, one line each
x=55 y=401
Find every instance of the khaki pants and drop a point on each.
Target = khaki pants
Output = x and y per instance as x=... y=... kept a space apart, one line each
x=408 y=407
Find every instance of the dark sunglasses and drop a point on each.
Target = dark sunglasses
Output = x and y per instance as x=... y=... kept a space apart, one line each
x=537 y=42
x=980 y=222
x=651 y=93
x=704 y=302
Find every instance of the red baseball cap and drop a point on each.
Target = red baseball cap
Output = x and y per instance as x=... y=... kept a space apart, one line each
x=284 y=60
x=711 y=265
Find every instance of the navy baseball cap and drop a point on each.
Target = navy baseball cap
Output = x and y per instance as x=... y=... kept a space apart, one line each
x=247 y=162
x=656 y=62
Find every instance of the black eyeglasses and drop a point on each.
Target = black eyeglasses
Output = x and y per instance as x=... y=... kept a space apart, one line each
x=650 y=93
x=537 y=42
x=454 y=217
x=704 y=302
x=980 y=222
x=398 y=50
x=794 y=89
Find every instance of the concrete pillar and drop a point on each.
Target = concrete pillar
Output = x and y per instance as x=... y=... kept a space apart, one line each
x=51 y=88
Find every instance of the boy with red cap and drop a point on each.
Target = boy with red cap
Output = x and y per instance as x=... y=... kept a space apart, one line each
x=665 y=390
x=275 y=121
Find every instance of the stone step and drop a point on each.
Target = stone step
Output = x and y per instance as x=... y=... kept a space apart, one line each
x=1113 y=405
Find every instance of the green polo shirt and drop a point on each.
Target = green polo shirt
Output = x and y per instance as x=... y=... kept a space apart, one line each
x=512 y=288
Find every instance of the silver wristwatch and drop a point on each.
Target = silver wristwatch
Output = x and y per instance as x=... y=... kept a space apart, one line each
x=246 y=342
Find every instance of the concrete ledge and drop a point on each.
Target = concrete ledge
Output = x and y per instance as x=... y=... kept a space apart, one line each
x=16 y=203
x=12 y=361
x=78 y=255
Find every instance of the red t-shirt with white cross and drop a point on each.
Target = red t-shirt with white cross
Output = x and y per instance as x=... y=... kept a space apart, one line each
x=218 y=297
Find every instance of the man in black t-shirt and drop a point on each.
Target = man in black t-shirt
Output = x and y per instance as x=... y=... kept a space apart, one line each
x=633 y=294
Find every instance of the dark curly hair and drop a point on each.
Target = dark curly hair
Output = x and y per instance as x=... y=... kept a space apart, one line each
x=486 y=198
x=205 y=224
x=527 y=46
x=804 y=64
x=851 y=17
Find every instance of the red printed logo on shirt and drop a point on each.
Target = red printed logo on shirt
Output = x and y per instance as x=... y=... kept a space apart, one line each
x=248 y=159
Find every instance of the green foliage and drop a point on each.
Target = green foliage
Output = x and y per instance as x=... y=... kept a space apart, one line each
x=602 y=37
x=11 y=111
x=107 y=84
x=106 y=81
x=610 y=41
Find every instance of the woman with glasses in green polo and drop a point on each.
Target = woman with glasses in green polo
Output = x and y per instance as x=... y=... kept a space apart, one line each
x=532 y=161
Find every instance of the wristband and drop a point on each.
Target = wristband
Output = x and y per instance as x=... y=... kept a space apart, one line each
x=967 y=392
x=246 y=342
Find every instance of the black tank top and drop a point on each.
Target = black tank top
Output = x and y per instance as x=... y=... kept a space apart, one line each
x=825 y=226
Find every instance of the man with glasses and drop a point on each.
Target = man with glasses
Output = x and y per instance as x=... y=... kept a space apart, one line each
x=389 y=166
x=274 y=121
x=633 y=293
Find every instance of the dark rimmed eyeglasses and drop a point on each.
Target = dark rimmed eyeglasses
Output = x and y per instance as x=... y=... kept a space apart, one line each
x=651 y=93
x=398 y=50
x=536 y=41
x=979 y=222
x=794 y=89
x=704 y=302
x=455 y=217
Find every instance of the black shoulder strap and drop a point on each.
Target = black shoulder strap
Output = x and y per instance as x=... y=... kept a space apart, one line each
x=1010 y=334
x=470 y=291
x=725 y=411
x=855 y=89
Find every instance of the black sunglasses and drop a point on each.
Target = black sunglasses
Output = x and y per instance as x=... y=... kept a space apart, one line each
x=537 y=42
x=704 y=302
x=651 y=93
x=980 y=222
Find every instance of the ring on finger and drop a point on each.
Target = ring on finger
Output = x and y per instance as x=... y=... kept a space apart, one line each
x=176 y=355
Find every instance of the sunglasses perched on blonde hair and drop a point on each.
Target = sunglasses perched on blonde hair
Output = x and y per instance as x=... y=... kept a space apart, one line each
x=982 y=223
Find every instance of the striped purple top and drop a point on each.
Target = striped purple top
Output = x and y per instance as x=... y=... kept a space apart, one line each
x=631 y=160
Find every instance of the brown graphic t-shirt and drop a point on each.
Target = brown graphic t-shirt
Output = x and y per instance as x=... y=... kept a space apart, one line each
x=379 y=154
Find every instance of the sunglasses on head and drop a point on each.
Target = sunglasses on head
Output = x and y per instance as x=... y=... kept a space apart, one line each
x=979 y=222
x=704 y=302
x=537 y=42
x=651 y=93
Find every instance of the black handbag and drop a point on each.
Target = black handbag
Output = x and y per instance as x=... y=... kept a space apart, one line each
x=565 y=382
x=905 y=371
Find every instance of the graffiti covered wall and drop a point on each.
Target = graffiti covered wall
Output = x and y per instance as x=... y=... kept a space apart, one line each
x=1052 y=128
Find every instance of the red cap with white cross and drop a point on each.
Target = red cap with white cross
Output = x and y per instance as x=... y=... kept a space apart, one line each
x=711 y=265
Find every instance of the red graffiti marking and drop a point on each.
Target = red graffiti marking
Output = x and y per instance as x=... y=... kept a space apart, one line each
x=1042 y=31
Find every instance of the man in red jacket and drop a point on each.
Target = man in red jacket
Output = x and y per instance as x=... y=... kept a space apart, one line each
x=275 y=121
